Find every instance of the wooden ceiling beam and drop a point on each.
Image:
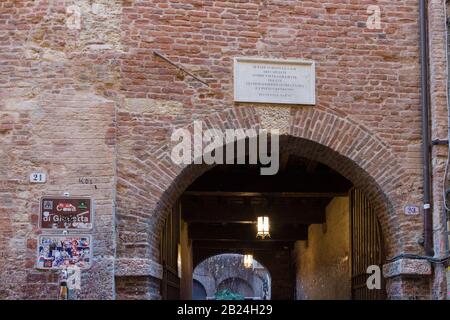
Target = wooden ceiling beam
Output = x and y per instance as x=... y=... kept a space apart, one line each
x=238 y=246
x=245 y=232
x=293 y=184
x=266 y=194
x=288 y=212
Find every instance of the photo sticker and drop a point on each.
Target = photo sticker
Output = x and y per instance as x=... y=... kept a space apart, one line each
x=55 y=252
x=48 y=205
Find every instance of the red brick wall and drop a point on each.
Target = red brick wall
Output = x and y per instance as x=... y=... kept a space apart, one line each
x=121 y=104
x=55 y=117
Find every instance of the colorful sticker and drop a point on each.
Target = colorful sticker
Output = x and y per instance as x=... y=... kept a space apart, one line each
x=55 y=252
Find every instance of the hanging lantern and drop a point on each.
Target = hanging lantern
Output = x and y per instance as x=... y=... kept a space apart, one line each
x=248 y=261
x=263 y=228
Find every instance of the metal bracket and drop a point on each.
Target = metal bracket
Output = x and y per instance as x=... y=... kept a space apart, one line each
x=180 y=67
x=439 y=142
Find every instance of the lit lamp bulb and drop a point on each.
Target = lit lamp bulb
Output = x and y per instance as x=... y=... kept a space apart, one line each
x=263 y=228
x=248 y=261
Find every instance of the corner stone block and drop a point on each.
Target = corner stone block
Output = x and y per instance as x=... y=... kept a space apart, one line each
x=407 y=267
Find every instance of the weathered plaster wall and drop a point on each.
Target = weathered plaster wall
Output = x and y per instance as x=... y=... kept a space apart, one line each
x=322 y=262
x=56 y=115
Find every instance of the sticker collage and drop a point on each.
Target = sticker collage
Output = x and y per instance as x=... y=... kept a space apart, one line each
x=58 y=247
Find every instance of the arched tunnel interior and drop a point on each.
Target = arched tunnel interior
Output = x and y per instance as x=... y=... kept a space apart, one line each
x=323 y=232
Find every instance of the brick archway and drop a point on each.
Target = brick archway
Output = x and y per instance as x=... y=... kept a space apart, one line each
x=149 y=183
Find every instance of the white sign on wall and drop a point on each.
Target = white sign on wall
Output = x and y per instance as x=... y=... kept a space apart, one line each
x=38 y=177
x=412 y=210
x=274 y=81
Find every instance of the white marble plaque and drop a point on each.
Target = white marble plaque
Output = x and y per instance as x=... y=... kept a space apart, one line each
x=274 y=81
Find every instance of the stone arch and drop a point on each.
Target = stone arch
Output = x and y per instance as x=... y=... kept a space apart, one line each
x=320 y=134
x=259 y=260
x=231 y=269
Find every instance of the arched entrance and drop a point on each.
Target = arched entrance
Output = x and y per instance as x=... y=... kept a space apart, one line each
x=324 y=233
x=313 y=134
x=226 y=276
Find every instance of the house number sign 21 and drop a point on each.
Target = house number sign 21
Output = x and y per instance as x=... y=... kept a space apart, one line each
x=38 y=177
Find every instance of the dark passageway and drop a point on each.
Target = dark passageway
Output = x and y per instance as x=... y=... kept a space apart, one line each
x=309 y=205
